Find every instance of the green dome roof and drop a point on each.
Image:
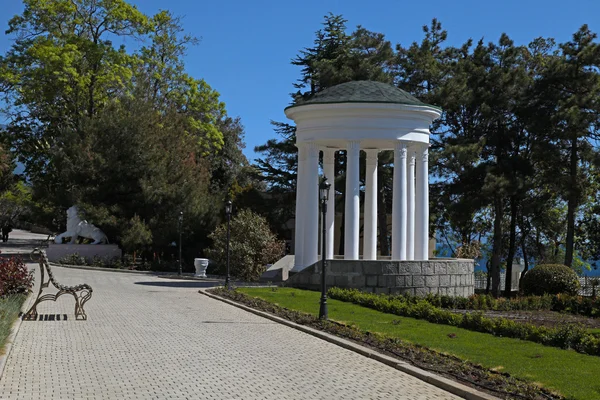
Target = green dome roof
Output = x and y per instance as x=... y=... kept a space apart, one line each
x=362 y=92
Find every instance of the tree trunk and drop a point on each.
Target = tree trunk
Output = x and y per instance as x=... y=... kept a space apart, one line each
x=572 y=204
x=523 y=240
x=497 y=245
x=525 y=263
x=511 y=246
x=489 y=276
x=384 y=245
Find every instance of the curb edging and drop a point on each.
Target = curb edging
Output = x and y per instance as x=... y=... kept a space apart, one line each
x=159 y=274
x=14 y=330
x=125 y=271
x=446 y=384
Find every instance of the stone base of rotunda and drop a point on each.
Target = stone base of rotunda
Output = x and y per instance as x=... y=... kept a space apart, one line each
x=452 y=277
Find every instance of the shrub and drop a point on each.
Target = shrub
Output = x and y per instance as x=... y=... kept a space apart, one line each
x=569 y=336
x=550 y=279
x=252 y=245
x=14 y=277
x=72 y=259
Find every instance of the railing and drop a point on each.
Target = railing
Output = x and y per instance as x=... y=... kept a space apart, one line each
x=585 y=282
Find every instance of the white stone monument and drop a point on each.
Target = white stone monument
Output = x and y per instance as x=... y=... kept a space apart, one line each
x=76 y=228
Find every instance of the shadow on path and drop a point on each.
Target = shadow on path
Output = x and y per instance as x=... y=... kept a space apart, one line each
x=46 y=317
x=180 y=284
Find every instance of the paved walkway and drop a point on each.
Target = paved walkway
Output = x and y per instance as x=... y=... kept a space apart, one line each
x=153 y=338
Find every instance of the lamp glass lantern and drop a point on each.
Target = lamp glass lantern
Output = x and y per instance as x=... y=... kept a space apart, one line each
x=324 y=190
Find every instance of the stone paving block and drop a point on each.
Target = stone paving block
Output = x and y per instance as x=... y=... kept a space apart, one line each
x=358 y=281
x=371 y=280
x=388 y=269
x=427 y=267
x=432 y=281
x=454 y=268
x=341 y=281
x=418 y=281
x=444 y=280
x=440 y=268
x=153 y=338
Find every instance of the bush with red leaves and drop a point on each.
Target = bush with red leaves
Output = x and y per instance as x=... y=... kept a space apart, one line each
x=14 y=277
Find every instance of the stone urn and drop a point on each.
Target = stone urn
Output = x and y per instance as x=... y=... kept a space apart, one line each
x=201 y=264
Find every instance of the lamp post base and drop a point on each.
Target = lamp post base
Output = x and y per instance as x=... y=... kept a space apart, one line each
x=323 y=314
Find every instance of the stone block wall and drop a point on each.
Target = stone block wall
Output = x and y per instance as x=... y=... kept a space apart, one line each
x=453 y=277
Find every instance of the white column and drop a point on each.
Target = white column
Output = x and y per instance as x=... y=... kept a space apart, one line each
x=300 y=205
x=351 y=229
x=370 y=213
x=329 y=171
x=399 y=203
x=422 y=205
x=311 y=218
x=410 y=226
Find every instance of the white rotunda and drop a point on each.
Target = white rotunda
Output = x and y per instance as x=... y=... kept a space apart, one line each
x=368 y=116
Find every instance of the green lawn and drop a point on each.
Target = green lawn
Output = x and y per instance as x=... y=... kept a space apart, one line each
x=572 y=374
x=9 y=311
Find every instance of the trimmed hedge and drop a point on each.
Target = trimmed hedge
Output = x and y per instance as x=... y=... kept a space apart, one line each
x=550 y=279
x=570 y=336
x=579 y=305
x=485 y=302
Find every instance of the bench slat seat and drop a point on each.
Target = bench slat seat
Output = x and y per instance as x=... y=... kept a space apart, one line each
x=82 y=293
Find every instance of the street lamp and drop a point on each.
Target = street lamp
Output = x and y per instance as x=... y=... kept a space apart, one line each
x=228 y=213
x=179 y=228
x=323 y=196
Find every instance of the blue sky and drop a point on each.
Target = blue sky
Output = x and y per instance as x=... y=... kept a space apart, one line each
x=246 y=46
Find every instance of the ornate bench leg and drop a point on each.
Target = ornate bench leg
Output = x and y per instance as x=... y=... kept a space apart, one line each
x=79 y=302
x=32 y=314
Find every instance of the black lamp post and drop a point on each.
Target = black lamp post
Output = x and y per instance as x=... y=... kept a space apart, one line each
x=324 y=196
x=228 y=213
x=179 y=228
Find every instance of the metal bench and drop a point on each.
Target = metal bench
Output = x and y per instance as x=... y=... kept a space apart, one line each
x=82 y=293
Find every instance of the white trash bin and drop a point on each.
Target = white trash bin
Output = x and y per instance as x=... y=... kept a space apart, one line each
x=201 y=264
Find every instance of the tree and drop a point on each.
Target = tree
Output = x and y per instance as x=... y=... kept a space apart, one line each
x=119 y=133
x=252 y=245
x=136 y=236
x=15 y=203
x=61 y=68
x=569 y=103
x=336 y=57
x=6 y=169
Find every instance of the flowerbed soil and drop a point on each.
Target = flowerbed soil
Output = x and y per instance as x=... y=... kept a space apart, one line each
x=496 y=383
x=548 y=319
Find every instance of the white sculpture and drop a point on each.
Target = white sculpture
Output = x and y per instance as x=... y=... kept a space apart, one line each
x=77 y=227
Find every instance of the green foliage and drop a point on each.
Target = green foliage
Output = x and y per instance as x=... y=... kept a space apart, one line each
x=485 y=302
x=550 y=279
x=335 y=57
x=567 y=337
x=136 y=235
x=579 y=305
x=72 y=259
x=252 y=245
x=121 y=133
x=6 y=167
x=15 y=203
x=10 y=307
x=529 y=361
